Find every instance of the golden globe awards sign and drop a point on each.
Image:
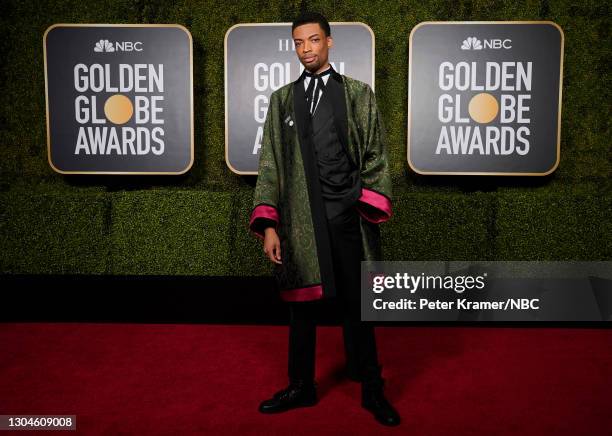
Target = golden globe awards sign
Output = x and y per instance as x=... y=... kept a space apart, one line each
x=119 y=98
x=261 y=58
x=485 y=98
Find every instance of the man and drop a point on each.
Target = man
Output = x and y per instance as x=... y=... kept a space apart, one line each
x=323 y=188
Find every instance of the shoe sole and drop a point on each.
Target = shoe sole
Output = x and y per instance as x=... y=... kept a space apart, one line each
x=379 y=421
x=286 y=409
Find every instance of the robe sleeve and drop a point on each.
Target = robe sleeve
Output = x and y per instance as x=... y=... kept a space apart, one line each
x=265 y=211
x=375 y=202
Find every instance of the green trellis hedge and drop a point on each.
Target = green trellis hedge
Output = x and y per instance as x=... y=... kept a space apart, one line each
x=197 y=223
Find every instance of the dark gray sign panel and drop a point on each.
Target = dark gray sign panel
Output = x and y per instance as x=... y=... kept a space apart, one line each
x=484 y=97
x=259 y=59
x=119 y=98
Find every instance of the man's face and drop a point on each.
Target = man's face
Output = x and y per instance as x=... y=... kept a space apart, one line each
x=312 y=46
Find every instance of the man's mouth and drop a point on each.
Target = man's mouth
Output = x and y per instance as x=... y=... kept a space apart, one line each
x=309 y=59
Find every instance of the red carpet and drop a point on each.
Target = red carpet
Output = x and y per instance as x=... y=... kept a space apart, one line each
x=185 y=379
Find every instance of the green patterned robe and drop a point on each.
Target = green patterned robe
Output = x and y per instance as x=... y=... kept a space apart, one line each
x=286 y=192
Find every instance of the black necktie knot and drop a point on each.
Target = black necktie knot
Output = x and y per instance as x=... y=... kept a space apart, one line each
x=317 y=76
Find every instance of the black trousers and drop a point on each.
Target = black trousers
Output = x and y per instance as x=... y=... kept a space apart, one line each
x=359 y=337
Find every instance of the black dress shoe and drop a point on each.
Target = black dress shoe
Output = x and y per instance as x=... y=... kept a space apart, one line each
x=298 y=394
x=373 y=399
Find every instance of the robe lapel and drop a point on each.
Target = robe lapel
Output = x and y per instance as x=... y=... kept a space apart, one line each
x=311 y=171
x=302 y=117
x=335 y=88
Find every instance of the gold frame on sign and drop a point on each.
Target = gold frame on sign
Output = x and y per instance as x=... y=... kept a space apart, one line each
x=53 y=26
x=462 y=173
x=335 y=23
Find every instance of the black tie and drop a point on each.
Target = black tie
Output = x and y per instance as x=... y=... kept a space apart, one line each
x=316 y=84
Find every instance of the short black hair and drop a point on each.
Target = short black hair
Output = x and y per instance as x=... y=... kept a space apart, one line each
x=312 y=17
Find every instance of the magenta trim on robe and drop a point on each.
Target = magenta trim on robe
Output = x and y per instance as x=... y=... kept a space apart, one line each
x=263 y=211
x=303 y=294
x=380 y=206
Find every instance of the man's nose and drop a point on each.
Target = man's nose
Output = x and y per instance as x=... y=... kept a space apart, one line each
x=306 y=46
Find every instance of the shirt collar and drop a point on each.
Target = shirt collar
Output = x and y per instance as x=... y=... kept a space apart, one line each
x=325 y=78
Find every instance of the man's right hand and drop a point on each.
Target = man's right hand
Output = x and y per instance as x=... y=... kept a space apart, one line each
x=271 y=245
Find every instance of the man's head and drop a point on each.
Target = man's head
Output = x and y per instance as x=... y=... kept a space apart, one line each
x=312 y=38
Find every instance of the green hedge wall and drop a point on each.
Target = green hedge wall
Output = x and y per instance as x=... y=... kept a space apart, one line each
x=197 y=223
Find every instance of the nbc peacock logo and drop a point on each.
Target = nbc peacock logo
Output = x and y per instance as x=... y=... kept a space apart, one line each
x=104 y=45
x=471 y=43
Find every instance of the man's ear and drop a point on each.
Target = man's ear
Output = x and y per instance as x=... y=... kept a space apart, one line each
x=330 y=42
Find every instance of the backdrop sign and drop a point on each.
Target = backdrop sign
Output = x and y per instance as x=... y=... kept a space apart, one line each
x=119 y=98
x=485 y=98
x=261 y=58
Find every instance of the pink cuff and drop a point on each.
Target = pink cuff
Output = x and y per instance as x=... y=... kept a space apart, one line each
x=373 y=206
x=263 y=211
x=302 y=294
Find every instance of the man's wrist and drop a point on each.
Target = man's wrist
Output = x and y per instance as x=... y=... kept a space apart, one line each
x=269 y=230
